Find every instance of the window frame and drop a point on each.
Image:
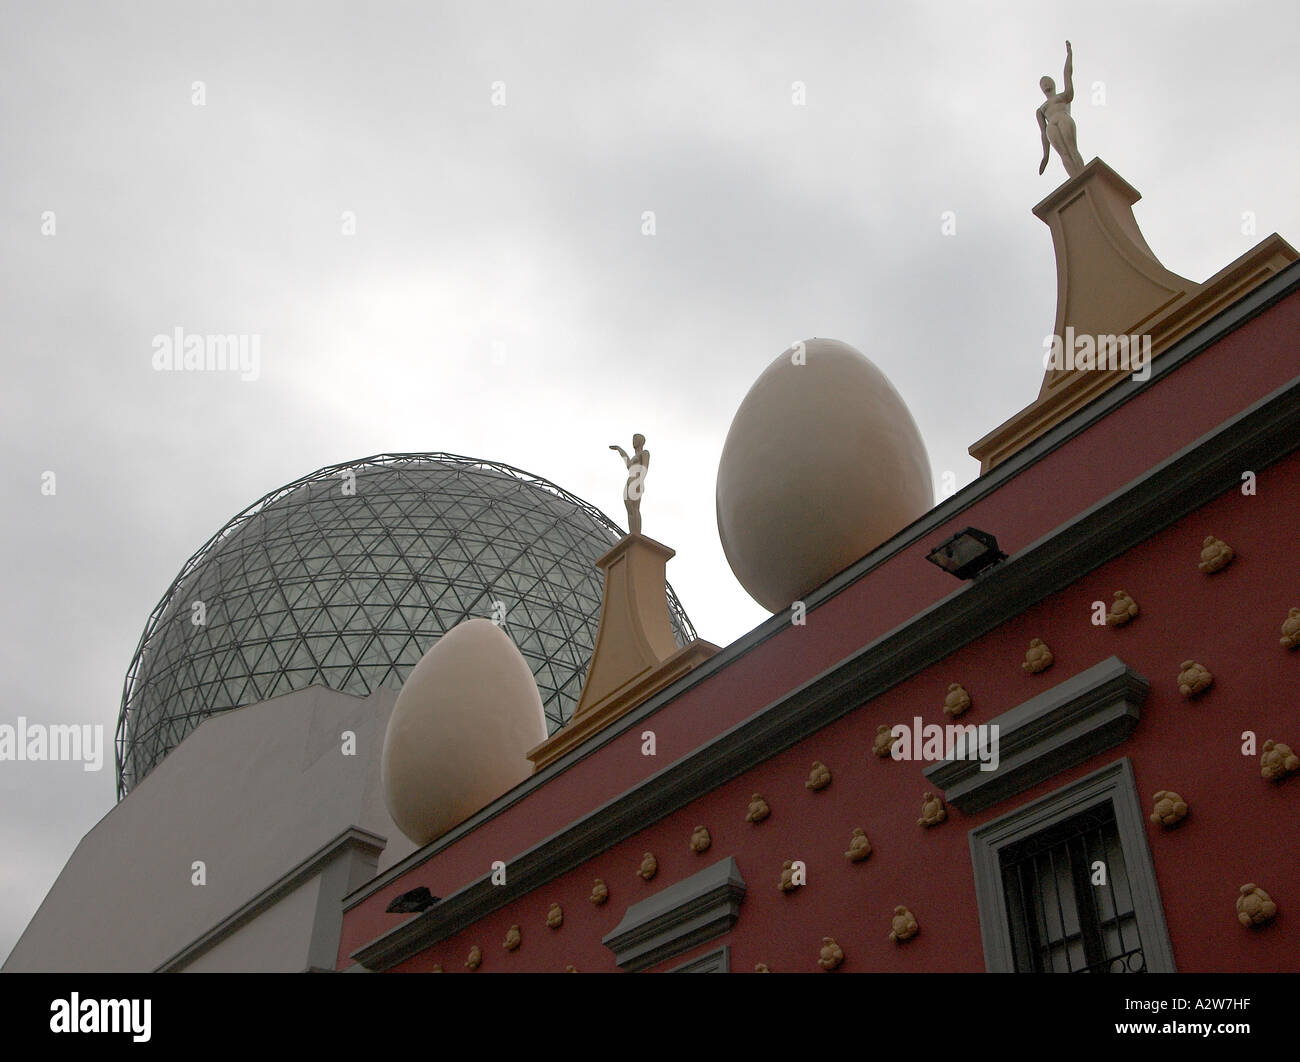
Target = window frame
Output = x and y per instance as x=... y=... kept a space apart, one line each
x=716 y=961
x=1114 y=784
x=676 y=919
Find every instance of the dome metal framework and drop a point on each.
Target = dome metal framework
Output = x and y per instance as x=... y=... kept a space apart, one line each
x=346 y=577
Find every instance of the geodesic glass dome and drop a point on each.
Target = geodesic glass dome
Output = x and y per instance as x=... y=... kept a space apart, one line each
x=346 y=577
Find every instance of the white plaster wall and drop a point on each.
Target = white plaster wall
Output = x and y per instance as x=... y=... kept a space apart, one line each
x=252 y=793
x=273 y=942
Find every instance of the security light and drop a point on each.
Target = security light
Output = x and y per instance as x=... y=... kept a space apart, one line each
x=417 y=899
x=967 y=553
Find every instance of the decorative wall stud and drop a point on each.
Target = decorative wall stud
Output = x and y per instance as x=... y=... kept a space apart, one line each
x=475 y=959
x=957 y=701
x=649 y=867
x=555 y=916
x=700 y=840
x=1193 y=679
x=1170 y=809
x=513 y=938
x=761 y=967
x=1254 y=906
x=599 y=892
x=436 y=968
x=758 y=809
x=904 y=925
x=819 y=777
x=859 y=846
x=932 y=811
x=1291 y=629
x=1215 y=555
x=831 y=954
x=1123 y=610
x=787 y=877
x=1037 y=658
x=884 y=742
x=1277 y=761
x=570 y=968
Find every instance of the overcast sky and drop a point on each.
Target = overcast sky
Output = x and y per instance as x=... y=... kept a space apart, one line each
x=519 y=228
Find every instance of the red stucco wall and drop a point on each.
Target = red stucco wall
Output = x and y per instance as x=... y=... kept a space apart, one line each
x=1240 y=829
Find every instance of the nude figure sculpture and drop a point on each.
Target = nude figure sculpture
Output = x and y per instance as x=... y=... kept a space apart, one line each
x=637 y=467
x=1055 y=123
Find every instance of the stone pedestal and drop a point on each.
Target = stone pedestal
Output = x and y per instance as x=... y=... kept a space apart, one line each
x=1109 y=283
x=636 y=654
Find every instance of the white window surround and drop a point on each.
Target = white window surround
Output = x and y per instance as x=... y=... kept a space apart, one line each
x=1072 y=721
x=1114 y=784
x=676 y=919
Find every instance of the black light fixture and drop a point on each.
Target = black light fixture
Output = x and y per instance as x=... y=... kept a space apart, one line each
x=418 y=899
x=967 y=553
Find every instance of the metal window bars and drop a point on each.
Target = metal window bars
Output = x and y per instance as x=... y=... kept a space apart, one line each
x=1069 y=899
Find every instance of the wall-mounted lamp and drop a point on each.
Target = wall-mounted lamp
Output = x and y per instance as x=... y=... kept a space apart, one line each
x=967 y=553
x=418 y=899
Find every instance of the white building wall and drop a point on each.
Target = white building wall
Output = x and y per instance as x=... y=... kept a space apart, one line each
x=251 y=794
x=273 y=942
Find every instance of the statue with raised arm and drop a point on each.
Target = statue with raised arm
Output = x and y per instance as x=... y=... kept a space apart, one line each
x=637 y=467
x=1055 y=123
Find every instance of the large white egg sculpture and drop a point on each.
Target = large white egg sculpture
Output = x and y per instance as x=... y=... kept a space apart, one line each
x=823 y=463
x=465 y=719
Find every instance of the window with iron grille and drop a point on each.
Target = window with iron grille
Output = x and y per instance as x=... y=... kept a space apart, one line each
x=1044 y=904
x=1069 y=899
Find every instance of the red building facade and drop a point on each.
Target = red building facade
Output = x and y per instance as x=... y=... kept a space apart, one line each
x=1119 y=494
